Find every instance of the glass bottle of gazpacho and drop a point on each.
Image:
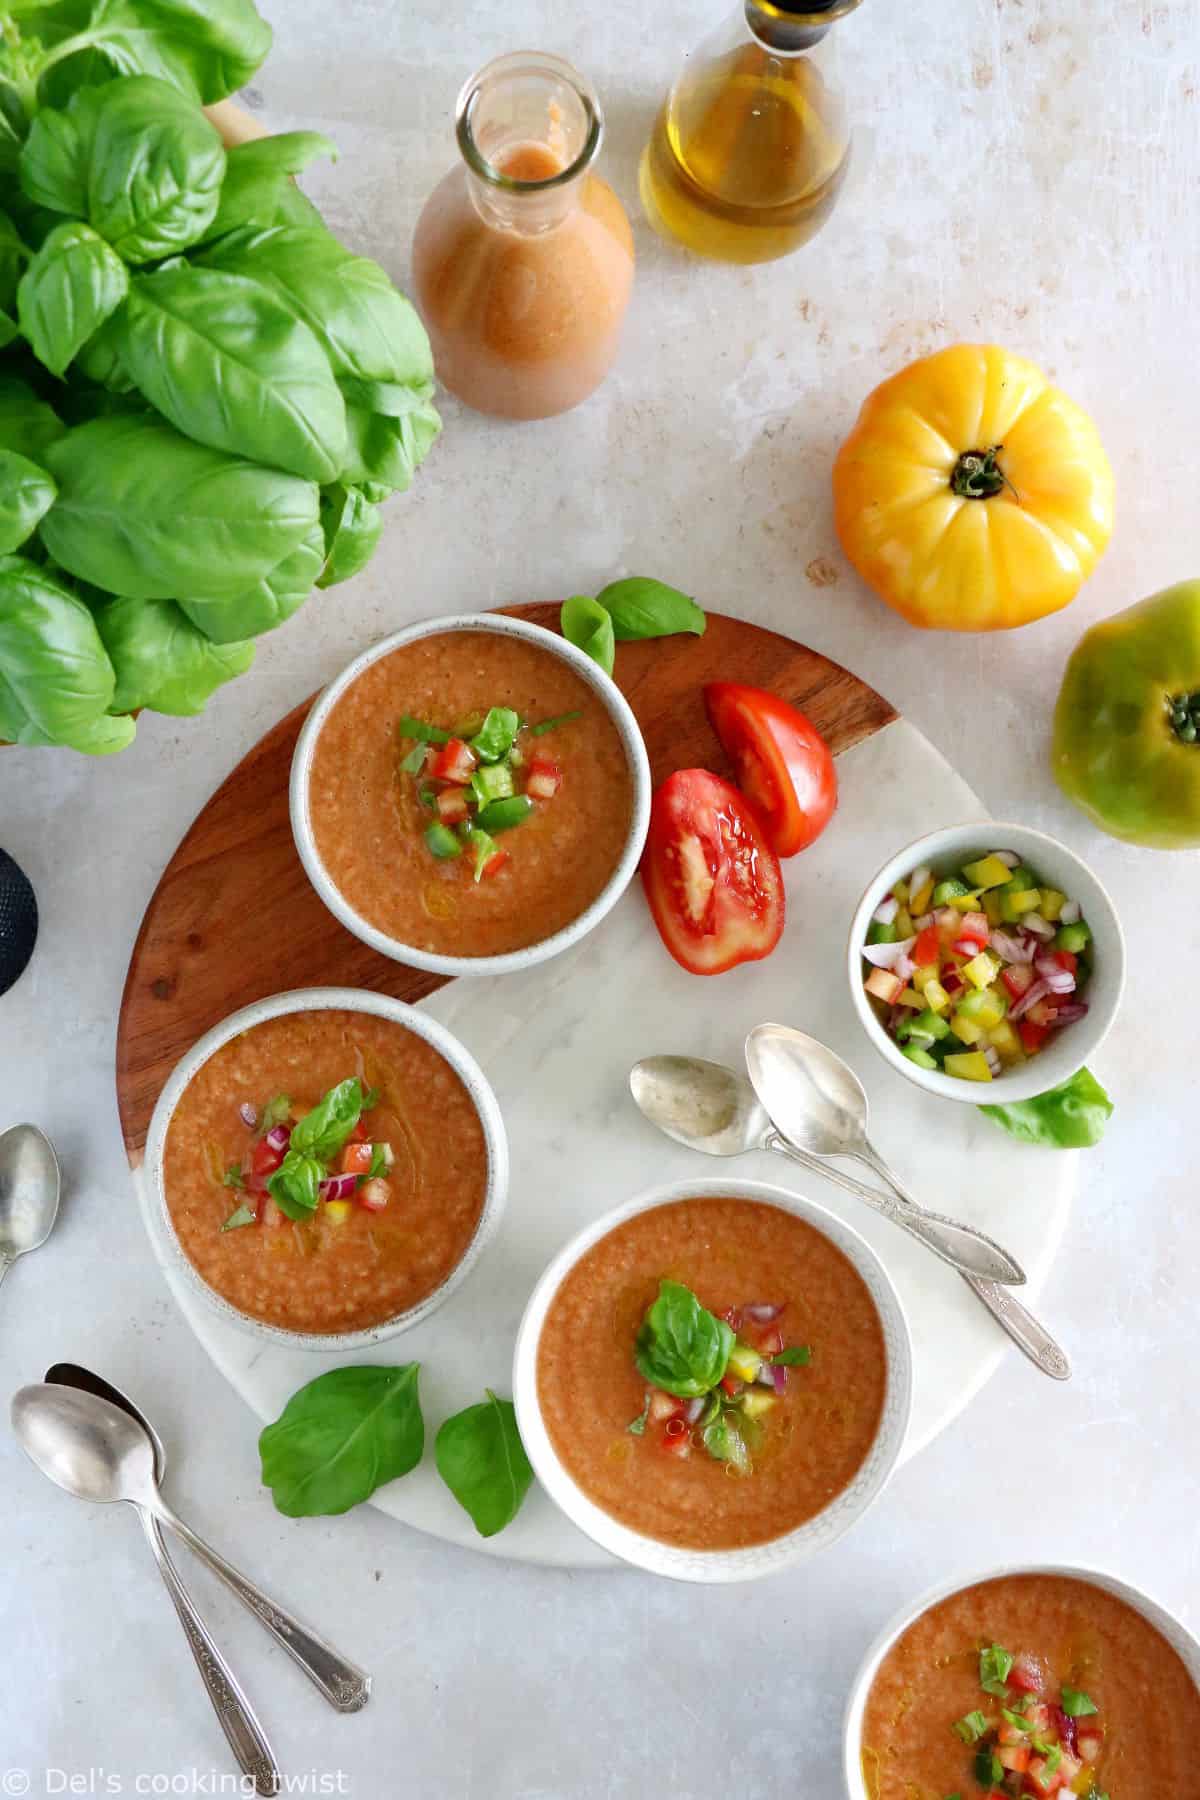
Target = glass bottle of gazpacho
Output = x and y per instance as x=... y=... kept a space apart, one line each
x=751 y=148
x=523 y=257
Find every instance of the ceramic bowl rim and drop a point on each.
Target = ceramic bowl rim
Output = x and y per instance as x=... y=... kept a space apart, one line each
x=323 y=999
x=651 y=1554
x=1076 y=1045
x=637 y=761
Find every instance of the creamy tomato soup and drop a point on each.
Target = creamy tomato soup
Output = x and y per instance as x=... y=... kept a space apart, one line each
x=1031 y=1685
x=774 y=1353
x=373 y=1211
x=469 y=794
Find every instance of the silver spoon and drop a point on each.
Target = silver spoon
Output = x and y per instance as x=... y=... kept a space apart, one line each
x=819 y=1103
x=96 y=1451
x=236 y=1716
x=714 y=1109
x=29 y=1188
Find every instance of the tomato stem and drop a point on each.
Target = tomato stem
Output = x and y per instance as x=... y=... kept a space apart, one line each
x=977 y=475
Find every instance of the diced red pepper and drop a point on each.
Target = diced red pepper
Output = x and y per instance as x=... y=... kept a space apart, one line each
x=732 y=1385
x=768 y=1340
x=974 y=929
x=1017 y=978
x=677 y=1444
x=733 y=1317
x=356 y=1159
x=264 y=1160
x=543 y=780
x=374 y=1195
x=1032 y=1036
x=455 y=761
x=358 y=1133
x=925 y=950
x=1067 y=959
x=1039 y=1781
x=451 y=806
x=1027 y=1675
x=494 y=863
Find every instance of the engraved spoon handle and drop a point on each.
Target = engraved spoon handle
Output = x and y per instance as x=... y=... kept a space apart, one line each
x=346 y=1687
x=965 y=1249
x=1003 y=1267
x=1026 y=1331
x=246 y=1737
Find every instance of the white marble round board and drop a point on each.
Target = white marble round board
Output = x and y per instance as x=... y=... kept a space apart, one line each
x=557 y=1044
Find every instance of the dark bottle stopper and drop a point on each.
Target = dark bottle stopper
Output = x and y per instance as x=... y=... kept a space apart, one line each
x=18 y=921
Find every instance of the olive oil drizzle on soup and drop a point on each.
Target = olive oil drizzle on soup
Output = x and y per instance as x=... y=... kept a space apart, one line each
x=727 y=1251
x=316 y=1275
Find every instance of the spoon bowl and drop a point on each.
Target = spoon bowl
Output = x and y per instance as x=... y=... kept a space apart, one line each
x=815 y=1098
x=73 y=1375
x=30 y=1185
x=700 y=1104
x=84 y=1444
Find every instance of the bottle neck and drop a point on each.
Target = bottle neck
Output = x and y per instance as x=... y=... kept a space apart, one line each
x=529 y=128
x=791 y=30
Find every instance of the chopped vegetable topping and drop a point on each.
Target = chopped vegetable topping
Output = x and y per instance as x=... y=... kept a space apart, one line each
x=1029 y=1744
x=316 y=1163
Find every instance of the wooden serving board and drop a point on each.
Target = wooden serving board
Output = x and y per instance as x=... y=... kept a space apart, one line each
x=235 y=917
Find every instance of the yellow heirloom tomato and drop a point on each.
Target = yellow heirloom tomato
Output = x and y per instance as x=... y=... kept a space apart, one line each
x=971 y=494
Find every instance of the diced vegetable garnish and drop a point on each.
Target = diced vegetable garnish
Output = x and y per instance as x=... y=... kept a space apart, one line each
x=442 y=842
x=1023 y=1742
x=988 y=872
x=452 y=807
x=492 y=781
x=553 y=724
x=502 y=815
x=409 y=727
x=455 y=761
x=543 y=779
x=884 y=985
x=495 y=737
x=972 y=1066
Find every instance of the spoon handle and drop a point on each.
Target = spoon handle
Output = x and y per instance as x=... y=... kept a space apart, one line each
x=965 y=1249
x=247 y=1739
x=1004 y=1268
x=346 y=1687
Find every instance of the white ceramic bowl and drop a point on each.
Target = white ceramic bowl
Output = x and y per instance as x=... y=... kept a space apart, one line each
x=758 y=1559
x=314 y=1000
x=619 y=711
x=1070 y=1048
x=1179 y=1639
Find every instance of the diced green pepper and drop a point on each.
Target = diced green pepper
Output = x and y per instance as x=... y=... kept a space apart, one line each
x=882 y=934
x=946 y=891
x=414 y=762
x=1075 y=937
x=1020 y=879
x=989 y=1770
x=441 y=841
x=928 y=1024
x=922 y=1058
x=502 y=815
x=492 y=781
x=971 y=1727
x=482 y=849
x=494 y=739
x=424 y=734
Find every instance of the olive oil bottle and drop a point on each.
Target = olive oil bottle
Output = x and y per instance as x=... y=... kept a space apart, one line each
x=750 y=150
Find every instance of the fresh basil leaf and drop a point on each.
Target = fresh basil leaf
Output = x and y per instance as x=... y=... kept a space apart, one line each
x=796 y=1356
x=494 y=739
x=153 y=166
x=1077 y=1705
x=268 y=604
x=681 y=1347
x=482 y=1460
x=971 y=1727
x=553 y=724
x=72 y=285
x=241 y=1215
x=341 y=1437
x=258 y=174
x=27 y=424
x=643 y=608
x=1070 y=1117
x=323 y=1131
x=994 y=1667
x=14 y=257
x=295 y=1185
x=207 y=50
x=161 y=659
x=352 y=528
x=55 y=157
x=414 y=762
x=408 y=727
x=587 y=625
x=56 y=679
x=26 y=495
x=233 y=1177
x=637 y=1427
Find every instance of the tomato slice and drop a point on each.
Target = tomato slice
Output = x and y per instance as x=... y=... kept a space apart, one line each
x=711 y=877
x=782 y=762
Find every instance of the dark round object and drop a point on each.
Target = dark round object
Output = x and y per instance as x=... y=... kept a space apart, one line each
x=18 y=921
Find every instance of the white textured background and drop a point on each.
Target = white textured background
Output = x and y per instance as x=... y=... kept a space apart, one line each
x=1029 y=174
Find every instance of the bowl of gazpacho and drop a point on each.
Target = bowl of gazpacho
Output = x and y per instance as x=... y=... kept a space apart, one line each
x=986 y=955
x=714 y=1380
x=1027 y=1681
x=326 y=1166
x=471 y=795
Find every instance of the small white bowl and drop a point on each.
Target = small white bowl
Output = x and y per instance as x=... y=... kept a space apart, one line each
x=1180 y=1640
x=1070 y=1048
x=758 y=1559
x=323 y=1000
x=619 y=711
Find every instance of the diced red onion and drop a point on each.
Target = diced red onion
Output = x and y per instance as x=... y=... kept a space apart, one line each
x=249 y=1114
x=693 y=1409
x=1069 y=1015
x=337 y=1187
x=886 y=911
x=1009 y=858
x=1057 y=979
x=1040 y=927
x=904 y=967
x=763 y=1312
x=278 y=1137
x=1013 y=949
x=992 y=1057
x=952 y=981
x=1071 y=913
x=1029 y=998
x=946 y=917
x=778 y=1374
x=918 y=879
x=886 y=956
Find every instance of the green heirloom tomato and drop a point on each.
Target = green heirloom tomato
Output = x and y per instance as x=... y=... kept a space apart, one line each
x=1127 y=722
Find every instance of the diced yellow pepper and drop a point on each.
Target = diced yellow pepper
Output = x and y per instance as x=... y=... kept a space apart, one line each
x=965 y=903
x=919 y=903
x=968 y=1031
x=922 y=977
x=1023 y=901
x=337 y=1211
x=972 y=1066
x=936 y=997
x=757 y=1402
x=744 y=1362
x=1005 y=1042
x=910 y=997
x=992 y=908
x=982 y=970
x=988 y=872
x=1052 y=905
x=904 y=924
x=900 y=891
x=992 y=1010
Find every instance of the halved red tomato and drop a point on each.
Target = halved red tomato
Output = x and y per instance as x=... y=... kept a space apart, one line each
x=782 y=762
x=711 y=877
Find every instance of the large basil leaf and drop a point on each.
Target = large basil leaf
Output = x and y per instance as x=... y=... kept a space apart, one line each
x=100 y=360
x=641 y=607
x=341 y=1437
x=57 y=153
x=258 y=174
x=482 y=1460
x=269 y=603
x=56 y=681
x=681 y=1347
x=231 y=366
x=155 y=169
x=586 y=624
x=144 y=512
x=323 y=1131
x=1070 y=1117
x=351 y=526
x=26 y=494
x=14 y=255
x=204 y=48
x=384 y=450
x=27 y=424
x=71 y=286
x=160 y=658
x=295 y=1186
